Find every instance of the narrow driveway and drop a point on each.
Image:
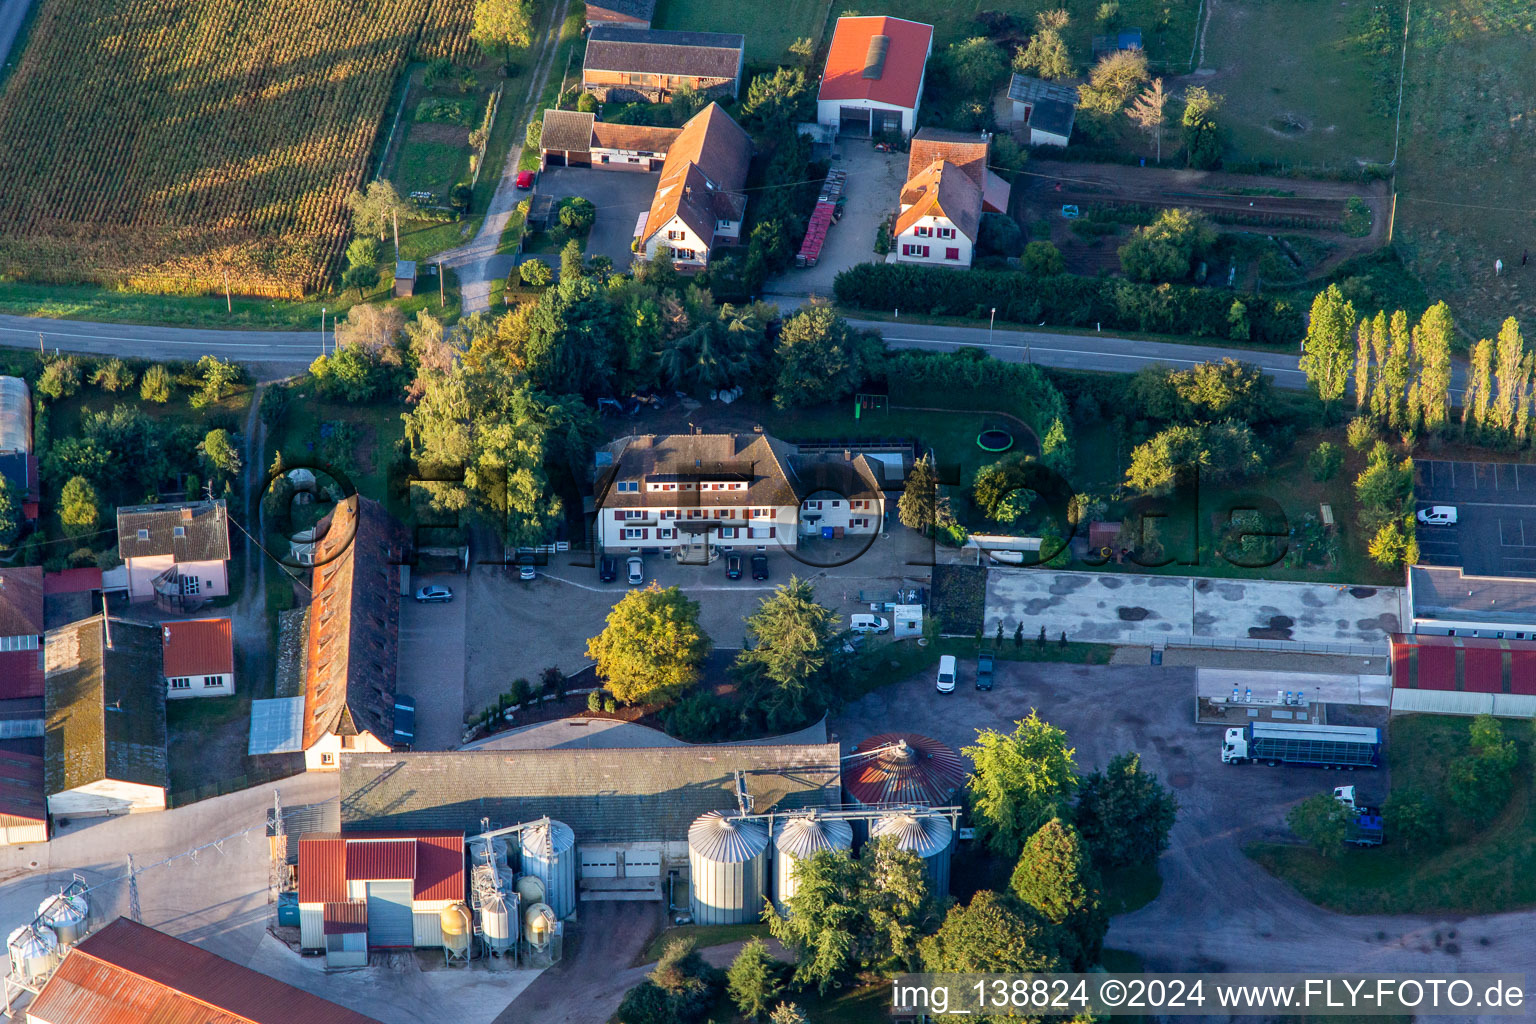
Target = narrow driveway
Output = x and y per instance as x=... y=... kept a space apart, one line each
x=431 y=667
x=477 y=262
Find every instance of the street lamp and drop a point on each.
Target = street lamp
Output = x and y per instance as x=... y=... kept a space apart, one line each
x=990 y=324
x=322 y=330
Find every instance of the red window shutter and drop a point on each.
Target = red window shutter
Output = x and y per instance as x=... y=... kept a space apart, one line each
x=644 y=534
x=951 y=254
x=773 y=531
x=618 y=514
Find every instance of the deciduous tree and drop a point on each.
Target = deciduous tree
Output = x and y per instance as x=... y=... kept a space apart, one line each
x=1147 y=112
x=1124 y=813
x=994 y=933
x=374 y=210
x=818 y=358
x=1202 y=135
x=79 y=507
x=507 y=24
x=1166 y=249
x=1055 y=875
x=1021 y=780
x=652 y=646
x=1046 y=54
x=1432 y=339
x=1117 y=77
x=1326 y=361
x=1322 y=822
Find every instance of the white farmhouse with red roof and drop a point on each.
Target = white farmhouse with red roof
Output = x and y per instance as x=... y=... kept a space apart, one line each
x=873 y=81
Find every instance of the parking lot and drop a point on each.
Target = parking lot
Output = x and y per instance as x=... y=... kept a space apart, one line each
x=1495 y=531
x=431 y=663
x=620 y=197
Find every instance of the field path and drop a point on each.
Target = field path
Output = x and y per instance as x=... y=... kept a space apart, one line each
x=477 y=261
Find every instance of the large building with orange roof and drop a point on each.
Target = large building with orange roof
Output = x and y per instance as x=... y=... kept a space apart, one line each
x=873 y=80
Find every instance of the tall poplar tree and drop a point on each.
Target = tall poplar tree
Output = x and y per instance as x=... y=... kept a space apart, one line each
x=1326 y=361
x=1363 y=366
x=1381 y=398
x=1474 y=408
x=1393 y=375
x=1509 y=353
x=1432 y=350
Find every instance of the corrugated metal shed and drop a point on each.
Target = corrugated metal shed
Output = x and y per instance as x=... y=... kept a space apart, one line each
x=905 y=768
x=129 y=974
x=433 y=860
x=322 y=869
x=1463 y=664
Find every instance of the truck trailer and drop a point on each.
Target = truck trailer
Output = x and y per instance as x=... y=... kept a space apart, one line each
x=1323 y=746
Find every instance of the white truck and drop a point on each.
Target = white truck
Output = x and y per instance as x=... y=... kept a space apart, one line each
x=1324 y=746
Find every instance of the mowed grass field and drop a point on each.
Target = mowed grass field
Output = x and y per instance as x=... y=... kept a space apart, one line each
x=1469 y=157
x=1297 y=80
x=770 y=27
x=169 y=147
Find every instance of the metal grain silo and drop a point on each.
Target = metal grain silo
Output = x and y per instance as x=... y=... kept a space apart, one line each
x=66 y=913
x=489 y=851
x=34 y=953
x=903 y=768
x=795 y=839
x=549 y=854
x=930 y=836
x=727 y=867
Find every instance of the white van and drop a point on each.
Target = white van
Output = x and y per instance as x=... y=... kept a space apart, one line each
x=868 y=624
x=947 y=674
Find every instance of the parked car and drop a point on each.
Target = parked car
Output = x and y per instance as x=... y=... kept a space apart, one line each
x=636 y=571
x=733 y=567
x=759 y=567
x=434 y=593
x=526 y=569
x=1438 y=515
x=984 y=671
x=947 y=673
x=868 y=624
x=405 y=720
x=525 y=180
x=608 y=569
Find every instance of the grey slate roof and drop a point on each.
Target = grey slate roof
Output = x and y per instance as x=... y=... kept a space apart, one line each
x=1445 y=593
x=615 y=796
x=105 y=707
x=657 y=52
x=599 y=11
x=1054 y=106
x=205 y=531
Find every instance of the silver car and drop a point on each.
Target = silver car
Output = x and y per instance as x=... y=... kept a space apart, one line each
x=636 y=571
x=434 y=593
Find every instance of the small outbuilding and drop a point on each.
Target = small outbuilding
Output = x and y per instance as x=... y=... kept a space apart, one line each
x=873 y=81
x=1044 y=111
x=405 y=279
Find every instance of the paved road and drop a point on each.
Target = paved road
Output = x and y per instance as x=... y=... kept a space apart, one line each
x=294 y=349
x=12 y=14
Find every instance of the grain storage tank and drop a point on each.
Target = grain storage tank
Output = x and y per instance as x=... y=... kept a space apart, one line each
x=795 y=839
x=903 y=768
x=727 y=865
x=489 y=851
x=34 y=953
x=530 y=890
x=540 y=922
x=928 y=835
x=67 y=914
x=498 y=920
x=455 y=922
x=549 y=854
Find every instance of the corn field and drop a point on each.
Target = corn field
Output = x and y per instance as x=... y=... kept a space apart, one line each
x=181 y=145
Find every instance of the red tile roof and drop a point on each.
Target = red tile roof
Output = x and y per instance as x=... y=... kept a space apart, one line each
x=966 y=150
x=196 y=647
x=434 y=859
x=21 y=674
x=72 y=581
x=901 y=76
x=942 y=190
x=703 y=175
x=129 y=974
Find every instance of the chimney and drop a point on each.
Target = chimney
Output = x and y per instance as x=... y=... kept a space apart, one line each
x=847 y=455
x=186 y=515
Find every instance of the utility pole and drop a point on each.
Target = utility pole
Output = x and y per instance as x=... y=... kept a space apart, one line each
x=41 y=351
x=228 y=305
x=396 y=216
x=440 y=300
x=990 y=324
x=322 y=330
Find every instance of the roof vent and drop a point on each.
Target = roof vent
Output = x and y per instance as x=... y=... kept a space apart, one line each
x=874 y=60
x=180 y=531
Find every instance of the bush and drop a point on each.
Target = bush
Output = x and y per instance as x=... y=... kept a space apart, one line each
x=1361 y=433
x=595 y=700
x=534 y=273
x=112 y=376
x=999 y=236
x=274 y=404
x=1325 y=461
x=60 y=378
x=364 y=252
x=519 y=692
x=1166 y=249
x=698 y=718
x=1042 y=259
x=610 y=705
x=155 y=385
x=1066 y=300
x=577 y=215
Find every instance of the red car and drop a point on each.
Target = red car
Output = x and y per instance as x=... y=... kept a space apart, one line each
x=525 y=180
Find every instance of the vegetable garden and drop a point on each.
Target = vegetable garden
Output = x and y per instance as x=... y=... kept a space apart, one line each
x=191 y=147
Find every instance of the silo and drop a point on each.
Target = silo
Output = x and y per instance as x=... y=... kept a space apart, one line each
x=540 y=922
x=530 y=890
x=727 y=868
x=498 y=920
x=34 y=953
x=795 y=839
x=903 y=768
x=66 y=914
x=930 y=836
x=549 y=854
x=489 y=851
x=455 y=923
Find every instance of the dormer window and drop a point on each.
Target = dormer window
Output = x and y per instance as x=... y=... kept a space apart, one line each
x=180 y=531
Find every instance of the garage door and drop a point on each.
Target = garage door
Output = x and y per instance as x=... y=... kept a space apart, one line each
x=389 y=914
x=599 y=863
x=642 y=863
x=853 y=120
x=554 y=159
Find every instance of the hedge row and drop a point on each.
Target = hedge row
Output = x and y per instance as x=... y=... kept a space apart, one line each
x=1066 y=301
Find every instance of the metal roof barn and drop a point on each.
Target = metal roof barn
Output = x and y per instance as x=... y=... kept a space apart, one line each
x=903 y=768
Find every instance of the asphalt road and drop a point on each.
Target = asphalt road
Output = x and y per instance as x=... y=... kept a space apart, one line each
x=292 y=348
x=12 y=14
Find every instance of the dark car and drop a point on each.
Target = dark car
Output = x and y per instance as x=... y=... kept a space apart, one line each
x=759 y=567
x=984 y=671
x=405 y=720
x=608 y=570
x=733 y=567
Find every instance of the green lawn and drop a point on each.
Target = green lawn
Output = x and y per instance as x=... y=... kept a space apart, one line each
x=430 y=165
x=769 y=27
x=377 y=428
x=703 y=937
x=1298 y=82
x=1166 y=43
x=1477 y=871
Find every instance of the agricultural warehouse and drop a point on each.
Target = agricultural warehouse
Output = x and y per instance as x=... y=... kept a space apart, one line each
x=224 y=150
x=129 y=974
x=104 y=750
x=1448 y=602
x=630 y=809
x=1463 y=675
x=626 y=64
x=873 y=81
x=382 y=891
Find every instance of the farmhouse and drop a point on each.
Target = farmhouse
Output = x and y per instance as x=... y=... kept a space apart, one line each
x=175 y=554
x=940 y=217
x=574 y=139
x=104 y=748
x=354 y=623
x=129 y=974
x=699 y=202
x=697 y=494
x=629 y=65
x=873 y=80
x=630 y=809
x=1043 y=112
x=384 y=890
x=621 y=13
x=18 y=462
x=198 y=658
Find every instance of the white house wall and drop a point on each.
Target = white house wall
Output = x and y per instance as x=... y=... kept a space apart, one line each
x=214 y=576
x=225 y=687
x=330 y=743
x=829 y=112
x=937 y=247
x=686 y=239
x=611 y=530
